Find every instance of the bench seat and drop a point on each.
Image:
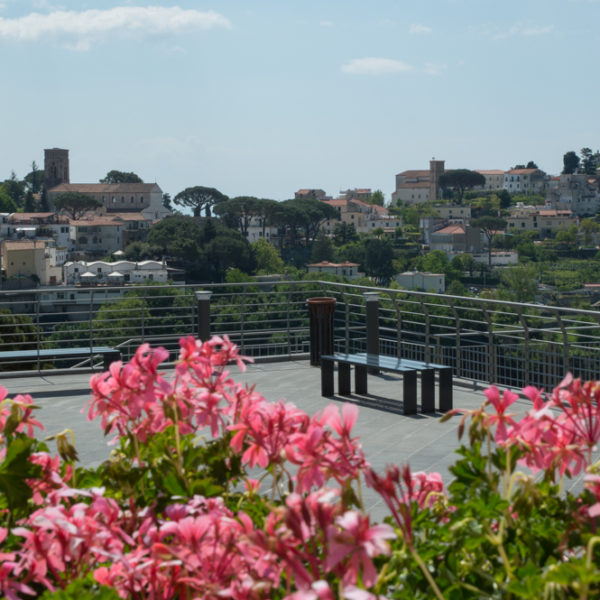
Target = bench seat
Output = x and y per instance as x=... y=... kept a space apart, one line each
x=109 y=354
x=365 y=363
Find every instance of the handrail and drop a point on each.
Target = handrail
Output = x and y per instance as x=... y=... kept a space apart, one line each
x=482 y=339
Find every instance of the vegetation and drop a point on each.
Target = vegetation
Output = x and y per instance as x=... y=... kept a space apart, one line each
x=459 y=181
x=75 y=204
x=199 y=198
x=121 y=177
x=167 y=517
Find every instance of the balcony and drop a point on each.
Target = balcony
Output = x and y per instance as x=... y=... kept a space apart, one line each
x=485 y=341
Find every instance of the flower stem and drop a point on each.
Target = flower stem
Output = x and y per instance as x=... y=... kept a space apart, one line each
x=425 y=571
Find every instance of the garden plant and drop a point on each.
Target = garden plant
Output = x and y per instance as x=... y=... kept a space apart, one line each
x=212 y=492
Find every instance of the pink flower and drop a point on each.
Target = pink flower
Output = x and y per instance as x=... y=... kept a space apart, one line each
x=500 y=419
x=355 y=542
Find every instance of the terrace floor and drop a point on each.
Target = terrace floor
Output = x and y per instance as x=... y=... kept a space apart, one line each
x=388 y=437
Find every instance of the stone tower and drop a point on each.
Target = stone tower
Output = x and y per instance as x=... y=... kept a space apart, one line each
x=56 y=167
x=436 y=168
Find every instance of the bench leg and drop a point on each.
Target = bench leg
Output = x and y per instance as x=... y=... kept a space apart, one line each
x=326 y=377
x=445 y=389
x=409 y=392
x=427 y=390
x=360 y=379
x=344 y=379
x=110 y=357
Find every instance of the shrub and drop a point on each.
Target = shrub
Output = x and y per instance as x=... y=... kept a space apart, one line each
x=174 y=512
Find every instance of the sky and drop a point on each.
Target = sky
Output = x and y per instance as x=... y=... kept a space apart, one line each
x=264 y=97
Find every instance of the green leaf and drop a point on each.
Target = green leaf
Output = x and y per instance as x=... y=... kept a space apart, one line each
x=15 y=469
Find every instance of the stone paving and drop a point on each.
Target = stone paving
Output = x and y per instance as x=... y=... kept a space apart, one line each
x=388 y=437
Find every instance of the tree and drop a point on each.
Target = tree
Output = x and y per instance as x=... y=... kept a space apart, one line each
x=199 y=198
x=590 y=161
x=121 y=177
x=237 y=212
x=570 y=163
x=29 y=205
x=377 y=198
x=460 y=180
x=166 y=200
x=267 y=258
x=519 y=283
x=490 y=226
x=75 y=204
x=529 y=165
x=34 y=180
x=344 y=233
x=305 y=215
x=505 y=199
x=7 y=204
x=322 y=249
x=14 y=188
x=379 y=256
x=588 y=227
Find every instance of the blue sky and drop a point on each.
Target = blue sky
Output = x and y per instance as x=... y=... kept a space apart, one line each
x=265 y=97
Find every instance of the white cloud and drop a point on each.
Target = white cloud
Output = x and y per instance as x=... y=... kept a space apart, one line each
x=375 y=66
x=434 y=68
x=522 y=29
x=416 y=29
x=326 y=23
x=79 y=30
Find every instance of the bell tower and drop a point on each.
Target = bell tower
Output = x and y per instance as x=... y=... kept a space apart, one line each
x=56 y=167
x=436 y=168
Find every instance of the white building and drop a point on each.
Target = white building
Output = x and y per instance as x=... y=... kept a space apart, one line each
x=428 y=282
x=114 y=273
x=525 y=181
x=578 y=193
x=345 y=269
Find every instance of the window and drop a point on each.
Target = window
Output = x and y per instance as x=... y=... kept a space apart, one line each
x=122 y=198
x=132 y=199
x=141 y=198
x=113 y=200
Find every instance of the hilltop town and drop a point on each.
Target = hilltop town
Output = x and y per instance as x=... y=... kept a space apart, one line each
x=519 y=234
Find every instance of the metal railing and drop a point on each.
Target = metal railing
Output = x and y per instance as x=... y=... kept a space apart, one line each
x=484 y=340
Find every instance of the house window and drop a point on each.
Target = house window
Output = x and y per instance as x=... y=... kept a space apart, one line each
x=131 y=199
x=113 y=199
x=141 y=198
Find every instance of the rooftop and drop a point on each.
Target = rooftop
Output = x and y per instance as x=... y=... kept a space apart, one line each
x=387 y=436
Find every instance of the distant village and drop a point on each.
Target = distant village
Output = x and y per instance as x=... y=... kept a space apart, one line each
x=87 y=247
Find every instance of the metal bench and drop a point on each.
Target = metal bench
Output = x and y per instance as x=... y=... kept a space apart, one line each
x=109 y=355
x=363 y=363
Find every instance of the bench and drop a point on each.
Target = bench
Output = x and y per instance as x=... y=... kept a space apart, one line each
x=109 y=354
x=363 y=363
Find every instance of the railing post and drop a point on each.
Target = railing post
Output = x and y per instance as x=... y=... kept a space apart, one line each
x=203 y=300
x=321 y=311
x=372 y=301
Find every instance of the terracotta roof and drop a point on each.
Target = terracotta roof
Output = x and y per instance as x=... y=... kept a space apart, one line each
x=522 y=171
x=26 y=216
x=325 y=263
x=95 y=221
x=415 y=173
x=21 y=245
x=450 y=229
x=490 y=172
x=554 y=213
x=108 y=188
x=134 y=216
x=415 y=184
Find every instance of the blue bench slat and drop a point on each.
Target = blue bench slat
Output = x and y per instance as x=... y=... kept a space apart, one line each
x=57 y=352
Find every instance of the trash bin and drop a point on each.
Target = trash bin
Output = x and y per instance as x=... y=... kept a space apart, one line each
x=321 y=327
